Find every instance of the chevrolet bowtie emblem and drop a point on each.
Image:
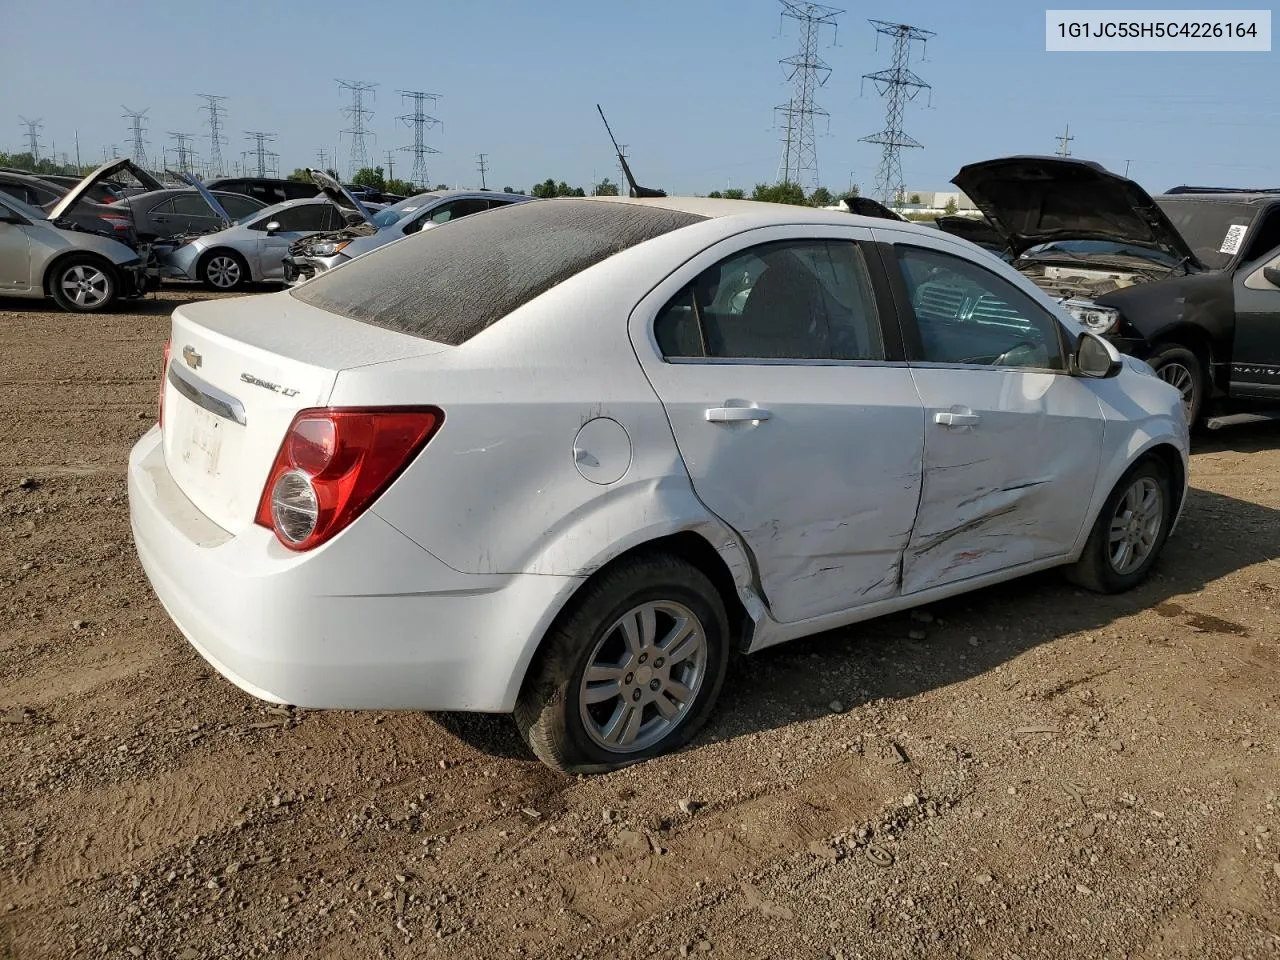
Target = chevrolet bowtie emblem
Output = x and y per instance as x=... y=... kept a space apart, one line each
x=193 y=359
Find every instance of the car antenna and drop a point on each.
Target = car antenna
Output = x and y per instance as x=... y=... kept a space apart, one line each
x=636 y=190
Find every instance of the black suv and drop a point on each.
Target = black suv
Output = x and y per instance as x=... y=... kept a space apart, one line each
x=1188 y=281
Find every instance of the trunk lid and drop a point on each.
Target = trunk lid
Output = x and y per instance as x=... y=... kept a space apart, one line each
x=239 y=371
x=1035 y=200
x=76 y=193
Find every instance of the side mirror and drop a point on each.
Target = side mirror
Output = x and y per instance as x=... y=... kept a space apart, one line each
x=273 y=228
x=1096 y=358
x=1272 y=275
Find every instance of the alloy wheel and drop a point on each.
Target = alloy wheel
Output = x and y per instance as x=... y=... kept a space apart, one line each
x=643 y=676
x=1180 y=377
x=1135 y=525
x=86 y=286
x=223 y=272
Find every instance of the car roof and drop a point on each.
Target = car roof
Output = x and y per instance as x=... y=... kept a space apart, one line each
x=1218 y=197
x=715 y=208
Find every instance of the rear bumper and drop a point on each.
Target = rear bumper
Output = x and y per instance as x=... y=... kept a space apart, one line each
x=369 y=620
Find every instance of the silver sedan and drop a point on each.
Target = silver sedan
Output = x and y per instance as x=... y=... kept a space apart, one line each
x=252 y=249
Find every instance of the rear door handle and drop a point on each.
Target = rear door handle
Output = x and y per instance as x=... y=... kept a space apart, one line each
x=949 y=418
x=736 y=414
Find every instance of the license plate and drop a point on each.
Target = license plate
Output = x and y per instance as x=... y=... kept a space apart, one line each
x=204 y=441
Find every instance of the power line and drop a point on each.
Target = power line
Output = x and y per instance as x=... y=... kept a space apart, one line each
x=897 y=85
x=260 y=154
x=33 y=137
x=358 y=113
x=420 y=121
x=136 y=131
x=185 y=153
x=483 y=167
x=808 y=72
x=213 y=104
x=1066 y=138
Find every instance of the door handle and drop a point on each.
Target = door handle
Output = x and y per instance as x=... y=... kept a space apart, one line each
x=949 y=418
x=736 y=414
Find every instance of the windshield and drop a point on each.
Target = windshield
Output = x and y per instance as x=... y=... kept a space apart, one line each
x=253 y=215
x=31 y=213
x=448 y=285
x=1214 y=231
x=387 y=216
x=1100 y=248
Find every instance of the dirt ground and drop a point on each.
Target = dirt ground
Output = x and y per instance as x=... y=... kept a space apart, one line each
x=1029 y=771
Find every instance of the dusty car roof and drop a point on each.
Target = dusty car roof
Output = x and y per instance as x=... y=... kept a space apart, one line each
x=714 y=208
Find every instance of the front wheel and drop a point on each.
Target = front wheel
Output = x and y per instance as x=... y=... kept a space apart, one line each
x=630 y=671
x=1181 y=369
x=1130 y=531
x=224 y=270
x=84 y=284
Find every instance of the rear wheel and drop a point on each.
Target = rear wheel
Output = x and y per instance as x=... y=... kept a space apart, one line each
x=630 y=671
x=1181 y=368
x=223 y=270
x=84 y=284
x=1130 y=531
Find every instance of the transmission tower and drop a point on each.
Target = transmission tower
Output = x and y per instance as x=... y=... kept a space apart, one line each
x=391 y=164
x=358 y=114
x=897 y=85
x=421 y=122
x=184 y=151
x=33 y=136
x=136 y=130
x=213 y=104
x=1065 y=151
x=483 y=166
x=807 y=72
x=263 y=157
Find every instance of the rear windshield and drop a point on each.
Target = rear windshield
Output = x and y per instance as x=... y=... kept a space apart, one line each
x=449 y=283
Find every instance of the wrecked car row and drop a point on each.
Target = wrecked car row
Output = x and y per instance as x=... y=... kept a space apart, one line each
x=1188 y=281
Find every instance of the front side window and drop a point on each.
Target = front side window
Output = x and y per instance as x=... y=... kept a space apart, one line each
x=459 y=208
x=236 y=205
x=966 y=314
x=786 y=300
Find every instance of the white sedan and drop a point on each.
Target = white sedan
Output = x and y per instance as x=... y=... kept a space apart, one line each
x=565 y=458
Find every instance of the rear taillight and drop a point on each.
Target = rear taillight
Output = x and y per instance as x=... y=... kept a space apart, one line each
x=164 y=373
x=333 y=463
x=118 y=224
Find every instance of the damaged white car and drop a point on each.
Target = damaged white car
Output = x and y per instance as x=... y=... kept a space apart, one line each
x=565 y=459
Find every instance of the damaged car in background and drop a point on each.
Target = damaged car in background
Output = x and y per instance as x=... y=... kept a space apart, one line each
x=252 y=248
x=42 y=255
x=1187 y=281
x=368 y=229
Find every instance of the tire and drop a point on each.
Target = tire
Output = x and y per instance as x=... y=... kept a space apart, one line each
x=223 y=270
x=1103 y=567
x=1183 y=369
x=573 y=733
x=83 y=283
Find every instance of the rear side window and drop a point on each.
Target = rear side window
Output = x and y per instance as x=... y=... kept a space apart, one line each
x=451 y=283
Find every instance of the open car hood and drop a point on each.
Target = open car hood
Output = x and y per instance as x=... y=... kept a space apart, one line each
x=974 y=229
x=74 y=195
x=1035 y=200
x=341 y=197
x=218 y=209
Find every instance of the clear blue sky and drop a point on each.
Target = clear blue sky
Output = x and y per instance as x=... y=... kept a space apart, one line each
x=689 y=85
